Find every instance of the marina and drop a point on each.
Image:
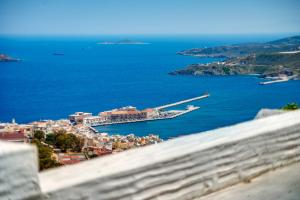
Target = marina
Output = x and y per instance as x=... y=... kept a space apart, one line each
x=130 y=114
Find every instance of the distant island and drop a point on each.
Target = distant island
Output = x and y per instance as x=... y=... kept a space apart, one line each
x=126 y=41
x=6 y=58
x=275 y=59
x=58 y=54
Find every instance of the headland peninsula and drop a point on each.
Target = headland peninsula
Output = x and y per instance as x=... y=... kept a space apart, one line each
x=279 y=59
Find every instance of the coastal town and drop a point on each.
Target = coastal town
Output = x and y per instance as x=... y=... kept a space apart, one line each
x=88 y=142
x=73 y=140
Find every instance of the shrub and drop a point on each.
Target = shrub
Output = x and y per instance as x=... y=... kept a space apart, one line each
x=291 y=106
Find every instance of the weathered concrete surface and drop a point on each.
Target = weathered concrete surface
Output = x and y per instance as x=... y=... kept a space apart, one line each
x=18 y=171
x=281 y=184
x=183 y=168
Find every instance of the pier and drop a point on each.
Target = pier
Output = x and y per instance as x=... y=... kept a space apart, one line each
x=182 y=102
x=278 y=80
x=274 y=81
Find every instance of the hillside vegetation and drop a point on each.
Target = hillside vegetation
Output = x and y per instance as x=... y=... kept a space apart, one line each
x=272 y=59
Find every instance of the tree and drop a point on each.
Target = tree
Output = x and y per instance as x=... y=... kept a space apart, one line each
x=39 y=135
x=291 y=106
x=68 y=142
x=65 y=141
x=50 y=139
x=45 y=156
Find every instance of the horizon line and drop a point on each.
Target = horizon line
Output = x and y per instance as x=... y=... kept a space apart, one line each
x=145 y=34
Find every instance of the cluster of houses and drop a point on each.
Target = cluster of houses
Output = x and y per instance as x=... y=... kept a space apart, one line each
x=14 y=132
x=95 y=144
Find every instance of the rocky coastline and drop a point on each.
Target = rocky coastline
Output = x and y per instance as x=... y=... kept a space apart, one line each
x=280 y=58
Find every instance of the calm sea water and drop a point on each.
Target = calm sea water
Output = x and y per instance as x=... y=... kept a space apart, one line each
x=93 y=78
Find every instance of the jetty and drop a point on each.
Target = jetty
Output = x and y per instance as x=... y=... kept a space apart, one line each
x=273 y=81
x=278 y=80
x=182 y=102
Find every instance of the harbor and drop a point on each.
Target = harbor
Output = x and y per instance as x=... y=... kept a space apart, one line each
x=130 y=114
x=164 y=115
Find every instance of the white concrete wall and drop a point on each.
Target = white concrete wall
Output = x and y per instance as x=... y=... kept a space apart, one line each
x=18 y=171
x=182 y=168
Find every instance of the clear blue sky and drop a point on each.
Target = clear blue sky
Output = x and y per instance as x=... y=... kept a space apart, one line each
x=149 y=16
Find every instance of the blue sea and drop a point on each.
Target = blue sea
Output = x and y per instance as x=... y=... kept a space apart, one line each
x=90 y=77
